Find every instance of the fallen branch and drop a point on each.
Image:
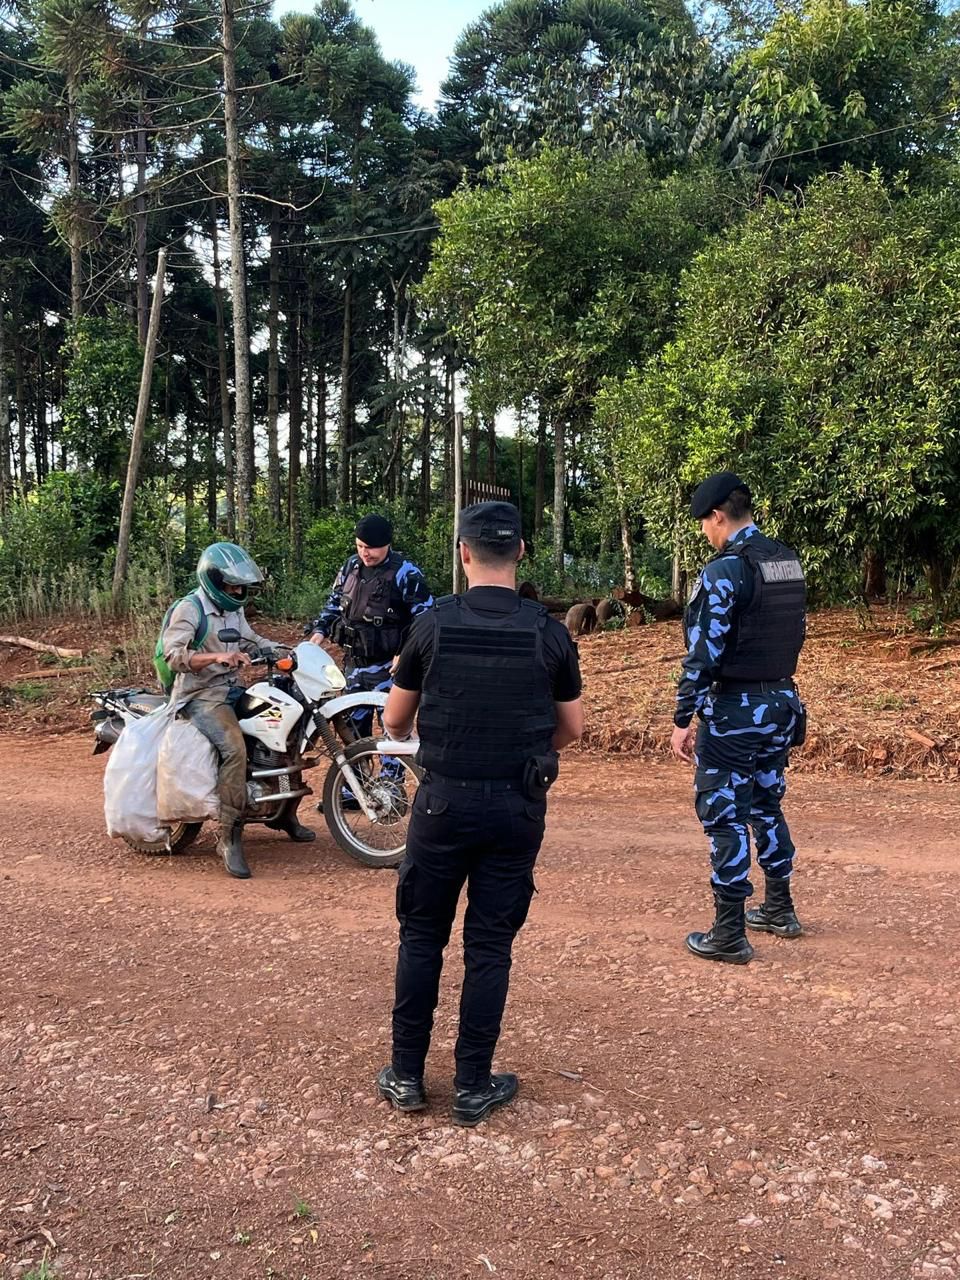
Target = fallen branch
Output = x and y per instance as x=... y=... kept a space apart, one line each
x=50 y=673
x=921 y=738
x=39 y=647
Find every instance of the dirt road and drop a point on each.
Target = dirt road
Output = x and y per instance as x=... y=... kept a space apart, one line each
x=186 y=1062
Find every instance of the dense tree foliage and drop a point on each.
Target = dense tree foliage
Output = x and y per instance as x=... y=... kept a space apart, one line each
x=635 y=241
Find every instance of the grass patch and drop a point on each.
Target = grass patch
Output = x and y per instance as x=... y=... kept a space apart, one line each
x=30 y=691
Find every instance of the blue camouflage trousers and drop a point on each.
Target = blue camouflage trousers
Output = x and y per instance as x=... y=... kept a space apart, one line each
x=742 y=752
x=366 y=679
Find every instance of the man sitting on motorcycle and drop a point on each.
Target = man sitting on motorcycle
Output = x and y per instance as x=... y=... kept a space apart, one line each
x=207 y=674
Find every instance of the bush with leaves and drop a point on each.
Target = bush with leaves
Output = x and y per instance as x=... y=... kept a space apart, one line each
x=817 y=355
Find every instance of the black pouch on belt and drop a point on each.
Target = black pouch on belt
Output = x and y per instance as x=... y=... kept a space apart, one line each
x=800 y=728
x=539 y=775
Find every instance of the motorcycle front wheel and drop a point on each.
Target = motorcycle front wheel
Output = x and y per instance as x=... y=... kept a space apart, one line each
x=389 y=784
x=182 y=835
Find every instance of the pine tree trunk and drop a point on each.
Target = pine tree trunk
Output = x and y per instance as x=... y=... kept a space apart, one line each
x=273 y=374
x=230 y=494
x=448 y=411
x=295 y=408
x=559 y=492
x=211 y=449
x=6 y=474
x=626 y=536
x=473 y=472
x=74 y=235
x=343 y=425
x=40 y=418
x=238 y=285
x=21 y=393
x=540 y=476
x=321 y=490
x=425 y=447
x=307 y=374
x=492 y=449
x=140 y=217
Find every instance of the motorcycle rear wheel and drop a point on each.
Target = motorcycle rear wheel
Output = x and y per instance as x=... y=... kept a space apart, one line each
x=181 y=836
x=382 y=843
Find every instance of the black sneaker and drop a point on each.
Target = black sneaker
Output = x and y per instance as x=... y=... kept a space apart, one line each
x=406 y=1093
x=473 y=1104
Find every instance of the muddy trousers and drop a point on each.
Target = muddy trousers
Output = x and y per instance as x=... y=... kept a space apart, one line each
x=742 y=752
x=218 y=724
x=488 y=841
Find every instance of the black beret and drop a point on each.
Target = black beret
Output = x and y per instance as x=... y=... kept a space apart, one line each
x=490 y=522
x=374 y=530
x=714 y=490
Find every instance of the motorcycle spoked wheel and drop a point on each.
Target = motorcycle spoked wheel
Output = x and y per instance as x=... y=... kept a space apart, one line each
x=384 y=842
x=181 y=837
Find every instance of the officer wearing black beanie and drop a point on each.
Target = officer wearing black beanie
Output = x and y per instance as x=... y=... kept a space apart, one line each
x=375 y=598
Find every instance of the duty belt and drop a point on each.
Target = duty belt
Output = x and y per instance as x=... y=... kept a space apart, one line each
x=752 y=686
x=488 y=786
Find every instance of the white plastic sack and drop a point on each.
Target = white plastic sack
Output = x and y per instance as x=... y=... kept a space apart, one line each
x=186 y=775
x=130 y=780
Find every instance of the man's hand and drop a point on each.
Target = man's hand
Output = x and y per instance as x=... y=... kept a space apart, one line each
x=235 y=659
x=394 y=664
x=321 y=640
x=681 y=743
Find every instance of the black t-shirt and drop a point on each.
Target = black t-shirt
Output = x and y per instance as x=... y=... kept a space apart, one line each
x=559 y=651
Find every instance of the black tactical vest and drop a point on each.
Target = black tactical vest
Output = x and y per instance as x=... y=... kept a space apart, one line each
x=487 y=701
x=374 y=608
x=769 y=627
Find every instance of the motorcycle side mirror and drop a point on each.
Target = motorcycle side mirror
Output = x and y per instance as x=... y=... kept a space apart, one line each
x=229 y=635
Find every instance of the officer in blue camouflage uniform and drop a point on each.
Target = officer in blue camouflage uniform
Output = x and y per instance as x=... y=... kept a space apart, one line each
x=745 y=626
x=374 y=600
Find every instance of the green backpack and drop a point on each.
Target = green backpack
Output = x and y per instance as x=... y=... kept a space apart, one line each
x=160 y=665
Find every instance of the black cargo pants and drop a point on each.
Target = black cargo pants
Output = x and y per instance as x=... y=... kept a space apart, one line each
x=487 y=837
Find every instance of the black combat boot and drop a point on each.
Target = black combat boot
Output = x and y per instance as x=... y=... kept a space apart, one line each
x=406 y=1093
x=230 y=848
x=726 y=939
x=473 y=1103
x=777 y=914
x=289 y=823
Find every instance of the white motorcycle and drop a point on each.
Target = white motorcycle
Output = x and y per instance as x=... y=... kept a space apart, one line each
x=300 y=706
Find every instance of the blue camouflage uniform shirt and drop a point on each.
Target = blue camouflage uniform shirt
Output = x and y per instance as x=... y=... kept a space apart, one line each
x=711 y=616
x=410 y=581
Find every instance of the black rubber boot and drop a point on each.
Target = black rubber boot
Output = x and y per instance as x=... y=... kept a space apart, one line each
x=230 y=849
x=474 y=1103
x=777 y=914
x=726 y=939
x=294 y=828
x=406 y=1093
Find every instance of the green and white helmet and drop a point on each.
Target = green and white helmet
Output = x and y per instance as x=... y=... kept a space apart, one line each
x=224 y=564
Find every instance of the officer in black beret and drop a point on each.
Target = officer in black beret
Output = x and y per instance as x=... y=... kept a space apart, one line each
x=744 y=626
x=496 y=682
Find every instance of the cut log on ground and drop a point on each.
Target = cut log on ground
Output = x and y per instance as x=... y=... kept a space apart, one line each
x=38 y=647
x=50 y=673
x=581 y=620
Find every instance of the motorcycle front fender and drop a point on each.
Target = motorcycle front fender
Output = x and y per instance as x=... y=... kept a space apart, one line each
x=348 y=701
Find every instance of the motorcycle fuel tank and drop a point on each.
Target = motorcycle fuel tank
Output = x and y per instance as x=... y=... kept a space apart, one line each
x=316 y=673
x=272 y=715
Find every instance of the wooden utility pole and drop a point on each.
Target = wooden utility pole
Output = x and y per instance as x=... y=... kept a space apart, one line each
x=243 y=412
x=457 y=497
x=139 y=428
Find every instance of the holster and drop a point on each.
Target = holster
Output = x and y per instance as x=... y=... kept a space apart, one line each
x=539 y=775
x=800 y=728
